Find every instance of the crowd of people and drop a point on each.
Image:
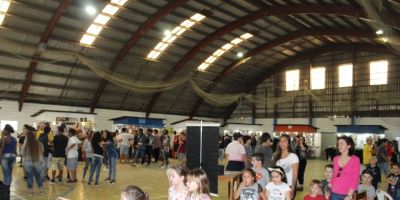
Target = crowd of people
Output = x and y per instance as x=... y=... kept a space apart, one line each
x=278 y=173
x=270 y=169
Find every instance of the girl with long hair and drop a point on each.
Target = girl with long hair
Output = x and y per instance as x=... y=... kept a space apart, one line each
x=301 y=152
x=97 y=146
x=198 y=185
x=112 y=157
x=285 y=158
x=8 y=151
x=32 y=151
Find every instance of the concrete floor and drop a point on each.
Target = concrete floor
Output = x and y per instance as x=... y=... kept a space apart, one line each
x=151 y=179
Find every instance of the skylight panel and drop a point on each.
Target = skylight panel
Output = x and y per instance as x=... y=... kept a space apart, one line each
x=100 y=21
x=4 y=5
x=87 y=39
x=119 y=2
x=219 y=52
x=94 y=29
x=171 y=36
x=198 y=17
x=110 y=9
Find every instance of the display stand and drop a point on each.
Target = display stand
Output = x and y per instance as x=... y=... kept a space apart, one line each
x=310 y=133
x=360 y=133
x=202 y=149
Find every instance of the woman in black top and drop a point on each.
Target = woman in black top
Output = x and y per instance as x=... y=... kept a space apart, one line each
x=97 y=146
x=301 y=152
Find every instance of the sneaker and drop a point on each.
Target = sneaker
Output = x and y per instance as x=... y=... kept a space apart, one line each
x=52 y=181
x=107 y=180
x=112 y=182
x=96 y=185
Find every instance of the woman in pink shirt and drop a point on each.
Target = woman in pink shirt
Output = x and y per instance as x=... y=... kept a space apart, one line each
x=346 y=170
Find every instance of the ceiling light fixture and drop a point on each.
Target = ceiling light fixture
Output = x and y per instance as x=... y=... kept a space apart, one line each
x=90 y=10
x=379 y=32
x=239 y=54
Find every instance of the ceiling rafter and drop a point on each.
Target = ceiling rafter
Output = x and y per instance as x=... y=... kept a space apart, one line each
x=43 y=41
x=306 y=55
x=277 y=42
x=276 y=10
x=168 y=8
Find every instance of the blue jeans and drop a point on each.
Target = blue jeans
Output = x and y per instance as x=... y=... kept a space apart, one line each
x=96 y=165
x=141 y=153
x=34 y=169
x=88 y=163
x=111 y=167
x=335 y=196
x=7 y=164
x=384 y=167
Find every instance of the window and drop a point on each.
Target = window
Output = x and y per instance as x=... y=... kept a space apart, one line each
x=318 y=78
x=378 y=72
x=292 y=80
x=346 y=75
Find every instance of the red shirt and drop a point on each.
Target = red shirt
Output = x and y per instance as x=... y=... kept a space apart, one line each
x=318 y=197
x=389 y=150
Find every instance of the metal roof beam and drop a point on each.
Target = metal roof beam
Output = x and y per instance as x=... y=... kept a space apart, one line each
x=275 y=10
x=171 y=6
x=277 y=42
x=306 y=55
x=62 y=7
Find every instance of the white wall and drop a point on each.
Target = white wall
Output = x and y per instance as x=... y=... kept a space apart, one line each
x=9 y=111
x=328 y=125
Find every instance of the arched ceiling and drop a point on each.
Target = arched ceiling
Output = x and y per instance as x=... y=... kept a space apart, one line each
x=283 y=31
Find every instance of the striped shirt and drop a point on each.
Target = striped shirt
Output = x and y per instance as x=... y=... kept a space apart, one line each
x=235 y=151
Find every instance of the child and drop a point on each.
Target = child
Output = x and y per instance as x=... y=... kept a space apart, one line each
x=394 y=182
x=248 y=189
x=262 y=175
x=375 y=171
x=177 y=181
x=198 y=185
x=328 y=175
x=366 y=186
x=134 y=193
x=315 y=187
x=278 y=188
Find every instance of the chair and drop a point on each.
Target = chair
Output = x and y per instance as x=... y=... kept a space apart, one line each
x=360 y=196
x=382 y=195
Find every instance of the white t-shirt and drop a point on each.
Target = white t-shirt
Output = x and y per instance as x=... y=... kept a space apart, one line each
x=73 y=152
x=286 y=164
x=277 y=192
x=125 y=138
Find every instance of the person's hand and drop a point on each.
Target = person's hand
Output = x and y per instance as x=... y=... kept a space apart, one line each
x=347 y=198
x=241 y=185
